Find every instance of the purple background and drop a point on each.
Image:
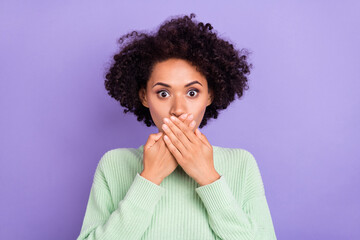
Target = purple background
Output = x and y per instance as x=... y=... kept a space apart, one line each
x=300 y=117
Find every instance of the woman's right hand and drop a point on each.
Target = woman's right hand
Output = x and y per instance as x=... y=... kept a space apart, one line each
x=158 y=160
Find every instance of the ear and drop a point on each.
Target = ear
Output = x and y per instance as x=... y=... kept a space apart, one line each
x=142 y=96
x=211 y=97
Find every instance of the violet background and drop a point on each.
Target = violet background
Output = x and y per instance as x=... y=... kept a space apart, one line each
x=300 y=118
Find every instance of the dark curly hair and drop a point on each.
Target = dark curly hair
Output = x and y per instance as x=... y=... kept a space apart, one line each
x=224 y=67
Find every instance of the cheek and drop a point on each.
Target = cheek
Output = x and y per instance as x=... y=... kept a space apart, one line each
x=199 y=114
x=156 y=116
x=157 y=113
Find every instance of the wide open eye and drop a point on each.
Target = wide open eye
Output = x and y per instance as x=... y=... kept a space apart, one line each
x=193 y=92
x=162 y=93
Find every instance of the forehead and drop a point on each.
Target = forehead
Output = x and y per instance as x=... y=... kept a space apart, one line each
x=176 y=72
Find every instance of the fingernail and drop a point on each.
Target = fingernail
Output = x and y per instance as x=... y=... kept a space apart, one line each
x=198 y=132
x=190 y=117
x=192 y=124
x=173 y=118
x=183 y=116
x=166 y=120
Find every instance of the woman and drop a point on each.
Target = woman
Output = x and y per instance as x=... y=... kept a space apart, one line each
x=177 y=185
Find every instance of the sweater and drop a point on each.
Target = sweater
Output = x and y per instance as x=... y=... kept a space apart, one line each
x=124 y=205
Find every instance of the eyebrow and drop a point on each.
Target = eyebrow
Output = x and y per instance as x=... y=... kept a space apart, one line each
x=166 y=85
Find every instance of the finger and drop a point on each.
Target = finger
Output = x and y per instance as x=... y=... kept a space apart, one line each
x=186 y=130
x=174 y=150
x=191 y=121
x=152 y=139
x=177 y=135
x=183 y=117
x=177 y=138
x=188 y=120
x=202 y=137
x=158 y=136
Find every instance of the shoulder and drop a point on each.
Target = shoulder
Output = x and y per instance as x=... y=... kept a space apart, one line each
x=120 y=157
x=238 y=154
x=236 y=158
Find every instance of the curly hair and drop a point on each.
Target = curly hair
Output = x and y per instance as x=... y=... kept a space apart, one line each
x=224 y=67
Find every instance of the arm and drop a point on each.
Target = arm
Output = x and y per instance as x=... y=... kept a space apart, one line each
x=230 y=220
x=132 y=217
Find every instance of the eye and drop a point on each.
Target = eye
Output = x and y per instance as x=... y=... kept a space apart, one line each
x=162 y=93
x=193 y=92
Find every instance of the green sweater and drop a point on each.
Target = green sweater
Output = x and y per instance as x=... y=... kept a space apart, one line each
x=124 y=205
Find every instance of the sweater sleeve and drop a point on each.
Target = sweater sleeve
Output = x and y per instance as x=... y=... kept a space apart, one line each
x=231 y=220
x=132 y=216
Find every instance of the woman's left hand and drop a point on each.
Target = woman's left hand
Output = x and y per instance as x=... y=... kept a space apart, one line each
x=192 y=151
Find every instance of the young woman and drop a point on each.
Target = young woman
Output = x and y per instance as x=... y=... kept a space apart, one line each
x=177 y=185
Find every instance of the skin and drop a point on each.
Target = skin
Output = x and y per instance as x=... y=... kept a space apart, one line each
x=176 y=89
x=176 y=99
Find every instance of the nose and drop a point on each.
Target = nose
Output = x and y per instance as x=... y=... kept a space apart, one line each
x=178 y=106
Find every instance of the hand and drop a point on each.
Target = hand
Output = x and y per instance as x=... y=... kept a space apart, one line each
x=192 y=150
x=158 y=160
